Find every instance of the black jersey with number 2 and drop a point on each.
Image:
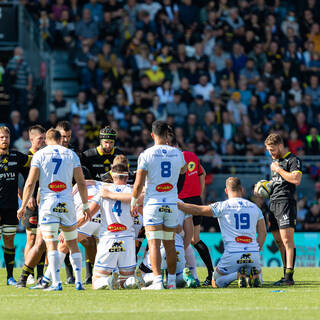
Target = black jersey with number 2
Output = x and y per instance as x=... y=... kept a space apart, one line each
x=282 y=189
x=11 y=164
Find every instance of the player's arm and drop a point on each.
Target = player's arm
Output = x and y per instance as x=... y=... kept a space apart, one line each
x=138 y=185
x=83 y=191
x=117 y=196
x=184 y=169
x=28 y=190
x=188 y=232
x=202 y=179
x=262 y=232
x=294 y=176
x=194 y=209
x=88 y=183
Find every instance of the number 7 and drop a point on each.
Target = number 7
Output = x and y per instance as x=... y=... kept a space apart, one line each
x=58 y=164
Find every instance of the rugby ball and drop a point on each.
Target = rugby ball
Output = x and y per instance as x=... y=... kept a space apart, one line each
x=263 y=188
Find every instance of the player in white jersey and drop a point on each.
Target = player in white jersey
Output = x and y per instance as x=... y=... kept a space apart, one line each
x=160 y=166
x=55 y=166
x=116 y=248
x=240 y=220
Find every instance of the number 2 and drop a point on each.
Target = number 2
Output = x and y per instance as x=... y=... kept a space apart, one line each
x=165 y=169
x=58 y=164
x=117 y=208
x=243 y=221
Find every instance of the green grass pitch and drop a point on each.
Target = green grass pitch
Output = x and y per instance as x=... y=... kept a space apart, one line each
x=301 y=301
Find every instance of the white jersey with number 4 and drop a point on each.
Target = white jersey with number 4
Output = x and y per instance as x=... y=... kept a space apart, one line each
x=116 y=220
x=238 y=220
x=56 y=164
x=163 y=164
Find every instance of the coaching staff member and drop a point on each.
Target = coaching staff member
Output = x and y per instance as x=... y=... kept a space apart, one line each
x=286 y=176
x=11 y=164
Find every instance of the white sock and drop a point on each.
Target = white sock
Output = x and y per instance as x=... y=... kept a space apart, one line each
x=54 y=266
x=130 y=283
x=148 y=278
x=76 y=262
x=224 y=281
x=171 y=278
x=191 y=261
x=157 y=279
x=47 y=274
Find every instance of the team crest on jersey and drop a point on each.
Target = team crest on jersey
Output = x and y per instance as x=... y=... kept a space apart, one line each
x=57 y=186
x=164 y=187
x=243 y=239
x=165 y=209
x=191 y=166
x=136 y=221
x=61 y=208
x=116 y=227
x=245 y=258
x=117 y=247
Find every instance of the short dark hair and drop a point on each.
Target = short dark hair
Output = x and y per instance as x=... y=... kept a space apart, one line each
x=53 y=134
x=233 y=184
x=37 y=127
x=273 y=139
x=160 y=128
x=64 y=125
x=120 y=168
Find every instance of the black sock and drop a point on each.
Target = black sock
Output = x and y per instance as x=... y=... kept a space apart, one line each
x=25 y=273
x=89 y=268
x=68 y=266
x=9 y=255
x=285 y=264
x=205 y=256
x=40 y=266
x=294 y=257
x=289 y=274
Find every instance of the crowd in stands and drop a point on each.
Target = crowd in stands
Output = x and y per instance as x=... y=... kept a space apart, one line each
x=224 y=73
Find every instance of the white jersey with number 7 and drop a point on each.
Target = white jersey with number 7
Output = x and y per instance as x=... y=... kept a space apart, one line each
x=163 y=164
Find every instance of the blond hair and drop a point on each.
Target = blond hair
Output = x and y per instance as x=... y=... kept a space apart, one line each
x=273 y=139
x=233 y=184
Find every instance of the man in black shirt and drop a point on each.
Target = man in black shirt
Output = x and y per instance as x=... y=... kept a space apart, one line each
x=98 y=160
x=11 y=164
x=286 y=176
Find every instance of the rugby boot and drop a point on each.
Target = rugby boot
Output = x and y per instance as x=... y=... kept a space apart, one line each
x=138 y=278
x=243 y=279
x=113 y=281
x=70 y=280
x=255 y=278
x=21 y=284
x=79 y=286
x=88 y=280
x=58 y=287
x=172 y=286
x=11 y=281
x=154 y=286
x=207 y=282
x=189 y=279
x=30 y=279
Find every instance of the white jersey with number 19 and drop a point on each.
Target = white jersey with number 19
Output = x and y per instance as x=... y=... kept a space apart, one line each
x=238 y=220
x=163 y=164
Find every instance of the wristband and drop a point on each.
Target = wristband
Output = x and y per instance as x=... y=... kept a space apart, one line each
x=133 y=201
x=85 y=206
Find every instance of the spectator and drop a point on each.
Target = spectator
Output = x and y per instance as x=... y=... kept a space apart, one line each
x=82 y=107
x=23 y=144
x=209 y=125
x=302 y=211
x=312 y=221
x=60 y=106
x=91 y=77
x=313 y=142
x=314 y=90
x=155 y=74
x=203 y=88
x=294 y=142
x=199 y=107
x=120 y=108
x=236 y=108
x=178 y=109
x=32 y=118
x=165 y=92
x=64 y=30
x=52 y=121
x=188 y=14
x=219 y=57
x=190 y=127
x=15 y=125
x=227 y=127
x=150 y=6
x=250 y=73
x=57 y=9
x=106 y=58
x=158 y=109
x=86 y=28
x=96 y=10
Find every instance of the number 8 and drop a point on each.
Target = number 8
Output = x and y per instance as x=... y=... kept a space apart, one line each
x=165 y=169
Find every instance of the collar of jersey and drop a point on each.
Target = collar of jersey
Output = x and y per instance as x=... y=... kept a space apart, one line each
x=101 y=153
x=31 y=151
x=286 y=155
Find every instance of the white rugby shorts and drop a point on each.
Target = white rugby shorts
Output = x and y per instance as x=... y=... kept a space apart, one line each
x=160 y=214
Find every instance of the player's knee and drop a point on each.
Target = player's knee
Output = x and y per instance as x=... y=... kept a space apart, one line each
x=154 y=235
x=8 y=232
x=70 y=235
x=50 y=232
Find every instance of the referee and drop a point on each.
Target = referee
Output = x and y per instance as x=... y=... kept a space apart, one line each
x=11 y=164
x=286 y=176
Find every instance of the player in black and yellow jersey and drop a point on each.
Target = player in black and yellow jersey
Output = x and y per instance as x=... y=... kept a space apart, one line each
x=11 y=164
x=98 y=160
x=286 y=176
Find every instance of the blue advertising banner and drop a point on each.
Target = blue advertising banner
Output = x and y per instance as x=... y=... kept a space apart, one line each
x=307 y=244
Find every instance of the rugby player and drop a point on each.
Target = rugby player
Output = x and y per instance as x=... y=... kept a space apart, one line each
x=116 y=248
x=286 y=176
x=240 y=220
x=55 y=166
x=11 y=164
x=161 y=166
x=30 y=220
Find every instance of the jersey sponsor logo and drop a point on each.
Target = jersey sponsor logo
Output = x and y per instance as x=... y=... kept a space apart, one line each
x=116 y=227
x=33 y=220
x=191 y=166
x=97 y=219
x=165 y=209
x=61 y=208
x=164 y=187
x=117 y=247
x=12 y=163
x=57 y=186
x=7 y=175
x=245 y=258
x=243 y=239
x=136 y=221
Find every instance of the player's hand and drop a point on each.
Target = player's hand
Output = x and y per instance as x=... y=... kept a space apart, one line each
x=21 y=212
x=255 y=190
x=87 y=214
x=105 y=193
x=61 y=237
x=32 y=204
x=81 y=219
x=134 y=211
x=275 y=166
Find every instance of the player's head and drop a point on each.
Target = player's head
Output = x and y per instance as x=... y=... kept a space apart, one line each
x=107 y=139
x=120 y=159
x=274 y=144
x=37 y=136
x=53 y=137
x=234 y=187
x=160 y=130
x=172 y=140
x=4 y=138
x=64 y=127
x=120 y=173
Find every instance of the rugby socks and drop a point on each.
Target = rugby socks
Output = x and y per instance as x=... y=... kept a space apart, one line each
x=26 y=271
x=9 y=255
x=89 y=268
x=294 y=257
x=191 y=261
x=68 y=266
x=289 y=274
x=40 y=266
x=171 y=278
x=224 y=281
x=47 y=274
x=157 y=279
x=285 y=264
x=76 y=261
x=205 y=256
x=54 y=266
